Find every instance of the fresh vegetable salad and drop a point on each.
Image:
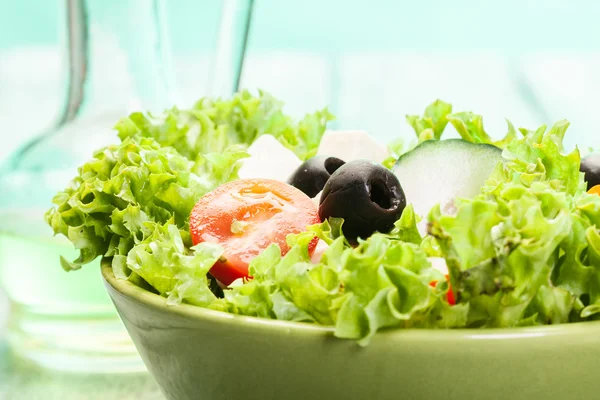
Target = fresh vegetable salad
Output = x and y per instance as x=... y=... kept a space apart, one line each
x=234 y=206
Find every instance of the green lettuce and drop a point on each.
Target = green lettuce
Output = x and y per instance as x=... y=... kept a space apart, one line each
x=470 y=128
x=383 y=282
x=108 y=206
x=524 y=251
x=163 y=165
x=213 y=125
x=433 y=122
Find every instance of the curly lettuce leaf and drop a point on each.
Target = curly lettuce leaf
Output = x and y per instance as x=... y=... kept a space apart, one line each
x=405 y=229
x=381 y=283
x=539 y=157
x=469 y=125
x=171 y=268
x=433 y=122
x=580 y=272
x=470 y=128
x=396 y=148
x=163 y=165
x=213 y=125
x=520 y=253
x=500 y=260
x=525 y=251
x=105 y=210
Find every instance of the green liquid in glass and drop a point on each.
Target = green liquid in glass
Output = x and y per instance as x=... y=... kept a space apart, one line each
x=31 y=275
x=59 y=320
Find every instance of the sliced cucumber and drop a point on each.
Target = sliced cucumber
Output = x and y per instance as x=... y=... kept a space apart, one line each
x=439 y=171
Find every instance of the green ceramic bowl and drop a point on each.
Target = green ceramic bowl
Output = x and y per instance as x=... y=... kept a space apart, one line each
x=194 y=353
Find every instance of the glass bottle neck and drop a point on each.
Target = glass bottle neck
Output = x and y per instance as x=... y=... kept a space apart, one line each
x=118 y=58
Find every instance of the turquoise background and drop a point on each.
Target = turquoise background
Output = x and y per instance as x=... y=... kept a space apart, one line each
x=326 y=25
x=371 y=62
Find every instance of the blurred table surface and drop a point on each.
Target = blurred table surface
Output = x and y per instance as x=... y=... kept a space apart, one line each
x=19 y=381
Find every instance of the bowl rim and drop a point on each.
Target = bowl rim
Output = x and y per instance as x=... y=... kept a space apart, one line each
x=141 y=296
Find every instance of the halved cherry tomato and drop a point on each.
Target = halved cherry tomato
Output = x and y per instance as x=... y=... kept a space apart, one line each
x=594 y=190
x=449 y=295
x=245 y=217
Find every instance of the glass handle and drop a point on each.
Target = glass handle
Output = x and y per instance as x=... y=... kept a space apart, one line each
x=78 y=54
x=141 y=26
x=232 y=40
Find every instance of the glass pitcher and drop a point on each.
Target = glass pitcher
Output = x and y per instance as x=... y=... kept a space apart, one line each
x=118 y=63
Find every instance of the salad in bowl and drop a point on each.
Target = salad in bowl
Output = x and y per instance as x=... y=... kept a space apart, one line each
x=235 y=207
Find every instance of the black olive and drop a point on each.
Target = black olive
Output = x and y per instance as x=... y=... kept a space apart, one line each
x=310 y=177
x=366 y=195
x=590 y=166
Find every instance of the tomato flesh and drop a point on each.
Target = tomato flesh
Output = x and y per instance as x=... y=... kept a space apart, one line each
x=245 y=217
